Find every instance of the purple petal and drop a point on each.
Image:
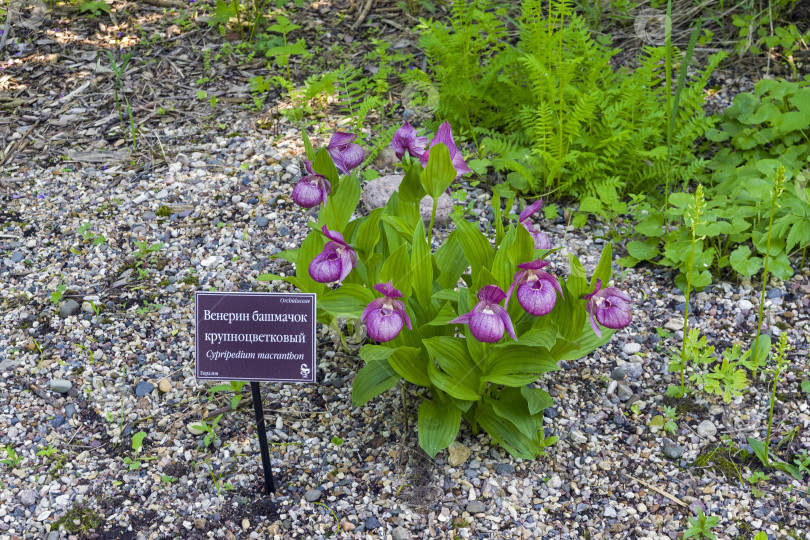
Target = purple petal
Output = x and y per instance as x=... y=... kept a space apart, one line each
x=529 y=210
x=613 y=317
x=462 y=319
x=352 y=156
x=308 y=166
x=507 y=322
x=596 y=290
x=613 y=291
x=326 y=266
x=403 y=139
x=377 y=303
x=308 y=193
x=491 y=294
x=537 y=297
x=399 y=307
x=539 y=264
x=487 y=327
x=541 y=241
x=459 y=164
x=444 y=135
x=383 y=325
x=341 y=139
x=554 y=282
x=595 y=327
x=388 y=290
x=347 y=262
x=520 y=277
x=334 y=236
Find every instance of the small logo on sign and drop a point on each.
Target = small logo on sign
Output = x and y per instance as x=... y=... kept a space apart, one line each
x=305 y=370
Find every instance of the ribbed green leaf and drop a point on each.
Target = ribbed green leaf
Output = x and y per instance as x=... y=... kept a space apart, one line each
x=348 y=301
x=437 y=426
x=372 y=380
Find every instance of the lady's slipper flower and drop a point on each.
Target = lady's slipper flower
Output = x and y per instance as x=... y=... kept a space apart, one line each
x=444 y=135
x=535 y=288
x=405 y=140
x=487 y=320
x=609 y=306
x=311 y=191
x=385 y=316
x=541 y=241
x=344 y=152
x=335 y=261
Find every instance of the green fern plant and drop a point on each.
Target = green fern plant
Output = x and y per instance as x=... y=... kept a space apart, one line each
x=551 y=111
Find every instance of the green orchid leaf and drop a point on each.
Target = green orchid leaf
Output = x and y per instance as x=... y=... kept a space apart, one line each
x=438 y=426
x=372 y=380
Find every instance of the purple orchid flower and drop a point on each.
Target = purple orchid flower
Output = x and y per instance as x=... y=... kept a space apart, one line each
x=609 y=307
x=488 y=320
x=405 y=140
x=311 y=191
x=335 y=261
x=444 y=135
x=541 y=241
x=535 y=288
x=385 y=316
x=345 y=153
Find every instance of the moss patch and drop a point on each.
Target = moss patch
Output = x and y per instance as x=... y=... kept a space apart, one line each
x=684 y=405
x=724 y=461
x=79 y=519
x=164 y=211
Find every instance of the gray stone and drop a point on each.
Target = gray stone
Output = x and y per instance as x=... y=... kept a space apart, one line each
x=706 y=429
x=773 y=293
x=70 y=410
x=476 y=507
x=143 y=388
x=400 y=533
x=373 y=523
x=58 y=420
x=28 y=497
x=8 y=364
x=262 y=221
x=624 y=392
x=609 y=512
x=617 y=374
x=377 y=192
x=745 y=304
x=504 y=468
x=61 y=385
x=53 y=535
x=17 y=257
x=313 y=495
x=577 y=437
x=632 y=348
x=634 y=370
x=69 y=308
x=283 y=230
x=673 y=450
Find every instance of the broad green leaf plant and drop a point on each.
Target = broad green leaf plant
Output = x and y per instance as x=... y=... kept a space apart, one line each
x=440 y=323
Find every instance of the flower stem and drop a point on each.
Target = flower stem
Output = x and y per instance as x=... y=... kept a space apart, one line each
x=783 y=345
x=778 y=186
x=432 y=219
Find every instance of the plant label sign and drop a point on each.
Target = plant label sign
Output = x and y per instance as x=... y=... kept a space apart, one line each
x=255 y=336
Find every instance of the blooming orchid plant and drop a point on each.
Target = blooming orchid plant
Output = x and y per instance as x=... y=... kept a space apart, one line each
x=436 y=318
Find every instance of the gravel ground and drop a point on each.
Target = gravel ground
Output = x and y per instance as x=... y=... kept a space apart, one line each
x=76 y=384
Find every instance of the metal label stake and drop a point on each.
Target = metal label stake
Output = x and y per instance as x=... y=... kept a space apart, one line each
x=257 y=407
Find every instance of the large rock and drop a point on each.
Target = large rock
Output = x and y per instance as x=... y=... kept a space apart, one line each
x=377 y=192
x=458 y=454
x=69 y=308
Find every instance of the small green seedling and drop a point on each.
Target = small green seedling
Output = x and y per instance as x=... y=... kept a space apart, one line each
x=12 y=459
x=701 y=527
x=137 y=443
